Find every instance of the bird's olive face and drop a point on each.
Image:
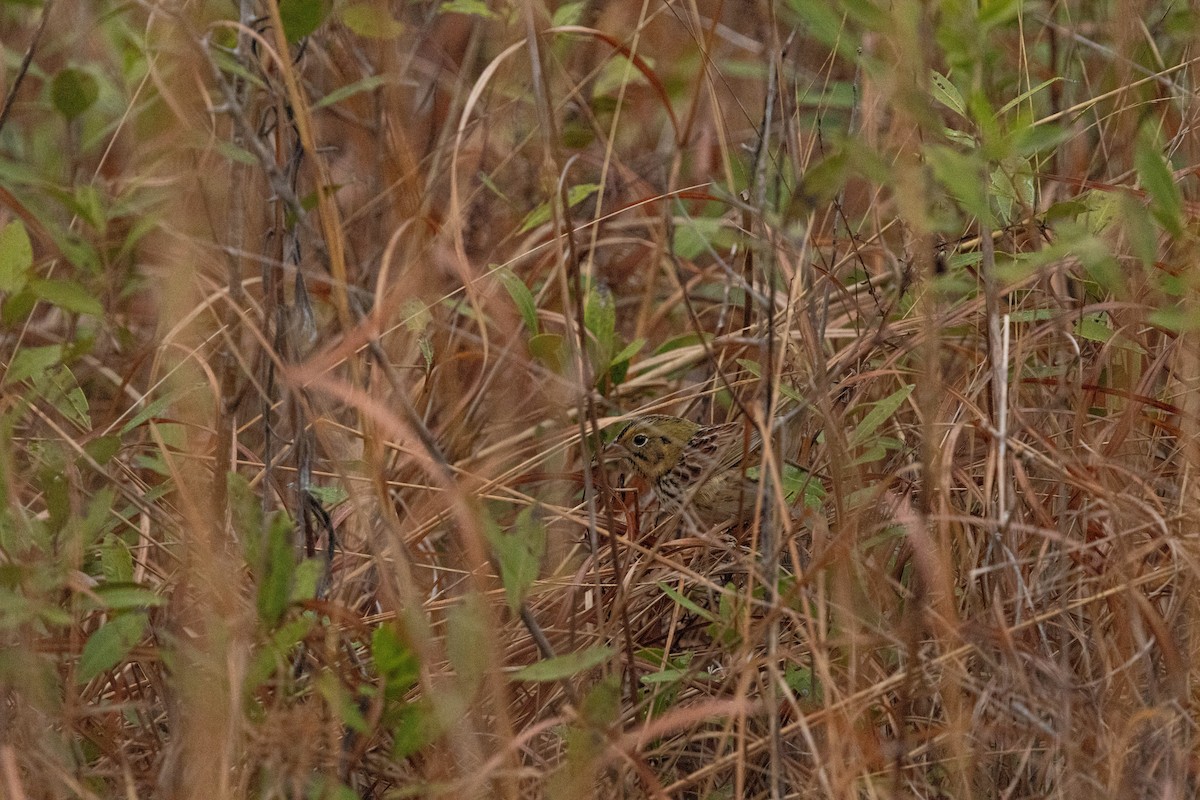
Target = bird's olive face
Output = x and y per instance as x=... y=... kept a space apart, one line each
x=650 y=445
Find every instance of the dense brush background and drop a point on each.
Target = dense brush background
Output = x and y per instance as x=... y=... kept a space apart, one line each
x=315 y=311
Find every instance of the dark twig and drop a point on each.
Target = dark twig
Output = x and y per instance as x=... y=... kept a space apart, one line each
x=23 y=70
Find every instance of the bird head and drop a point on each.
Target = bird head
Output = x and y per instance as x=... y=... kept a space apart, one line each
x=650 y=445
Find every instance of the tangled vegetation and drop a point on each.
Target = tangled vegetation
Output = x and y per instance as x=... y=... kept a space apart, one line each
x=315 y=312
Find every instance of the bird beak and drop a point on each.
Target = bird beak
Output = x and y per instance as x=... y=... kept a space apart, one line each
x=611 y=452
x=613 y=459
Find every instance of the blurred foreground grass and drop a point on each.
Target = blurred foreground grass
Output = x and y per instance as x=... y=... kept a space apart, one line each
x=312 y=314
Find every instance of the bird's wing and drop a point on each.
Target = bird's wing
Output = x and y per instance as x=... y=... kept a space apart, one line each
x=725 y=446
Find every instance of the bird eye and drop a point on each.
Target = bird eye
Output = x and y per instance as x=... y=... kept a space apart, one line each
x=640 y=440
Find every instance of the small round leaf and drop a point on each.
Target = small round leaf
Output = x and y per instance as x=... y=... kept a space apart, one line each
x=73 y=92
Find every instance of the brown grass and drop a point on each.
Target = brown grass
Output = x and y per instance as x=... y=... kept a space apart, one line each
x=296 y=449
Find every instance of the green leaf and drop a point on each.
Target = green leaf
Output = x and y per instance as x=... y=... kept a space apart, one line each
x=577 y=194
x=411 y=730
x=1021 y=98
x=962 y=175
x=1138 y=223
x=67 y=295
x=869 y=455
x=237 y=155
x=1033 y=315
x=1098 y=261
x=173 y=434
x=276 y=571
x=802 y=682
x=371 y=20
x=1095 y=328
x=798 y=482
x=116 y=560
x=365 y=85
x=491 y=185
x=73 y=92
x=987 y=127
x=827 y=95
x=568 y=13
x=521 y=296
x=695 y=235
x=110 y=644
x=993 y=13
x=153 y=462
x=395 y=661
x=519 y=554
x=302 y=17
x=1166 y=202
x=307 y=579
x=602 y=705
x=98 y=519
x=820 y=183
x=541 y=214
x=1175 y=318
x=329 y=496
x=629 y=351
x=475 y=8
x=946 y=93
x=227 y=63
x=869 y=13
x=88 y=203
x=16 y=257
x=679 y=342
x=125 y=596
x=274 y=655
x=103 y=448
x=1065 y=210
x=1033 y=139
x=1003 y=193
x=559 y=667
x=963 y=138
x=880 y=413
x=325 y=787
x=58 y=387
x=53 y=483
x=426 y=348
x=826 y=23
x=665 y=676
x=81 y=252
x=30 y=361
x=549 y=349
x=153 y=409
x=600 y=317
x=17 y=307
x=686 y=602
x=338 y=698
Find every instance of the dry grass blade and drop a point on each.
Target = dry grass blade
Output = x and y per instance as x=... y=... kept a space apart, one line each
x=315 y=319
